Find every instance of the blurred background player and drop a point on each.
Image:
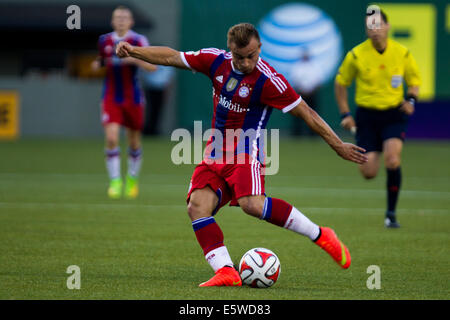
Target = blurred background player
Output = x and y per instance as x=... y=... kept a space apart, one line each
x=379 y=65
x=246 y=90
x=123 y=102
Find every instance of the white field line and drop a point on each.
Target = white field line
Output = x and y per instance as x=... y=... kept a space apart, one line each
x=414 y=179
x=68 y=205
x=179 y=207
x=328 y=192
x=76 y=175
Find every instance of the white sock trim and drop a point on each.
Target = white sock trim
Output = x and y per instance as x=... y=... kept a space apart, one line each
x=113 y=163
x=135 y=163
x=219 y=258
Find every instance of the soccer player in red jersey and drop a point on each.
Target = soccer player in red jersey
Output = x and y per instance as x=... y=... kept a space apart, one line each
x=122 y=101
x=245 y=91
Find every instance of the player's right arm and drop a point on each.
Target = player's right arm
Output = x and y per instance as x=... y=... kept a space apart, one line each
x=155 y=55
x=344 y=78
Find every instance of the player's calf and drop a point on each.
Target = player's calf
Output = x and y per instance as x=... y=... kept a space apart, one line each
x=252 y=205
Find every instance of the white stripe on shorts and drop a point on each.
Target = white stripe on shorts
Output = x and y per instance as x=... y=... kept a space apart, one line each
x=256 y=177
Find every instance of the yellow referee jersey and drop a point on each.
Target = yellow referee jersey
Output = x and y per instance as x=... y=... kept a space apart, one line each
x=379 y=76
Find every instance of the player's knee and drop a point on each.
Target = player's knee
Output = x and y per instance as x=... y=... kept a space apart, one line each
x=194 y=209
x=369 y=173
x=197 y=209
x=111 y=142
x=392 y=161
x=135 y=143
x=369 y=176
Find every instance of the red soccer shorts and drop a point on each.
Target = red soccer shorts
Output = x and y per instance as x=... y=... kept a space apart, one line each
x=229 y=181
x=128 y=115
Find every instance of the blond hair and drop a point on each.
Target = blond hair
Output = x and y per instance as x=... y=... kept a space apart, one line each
x=241 y=34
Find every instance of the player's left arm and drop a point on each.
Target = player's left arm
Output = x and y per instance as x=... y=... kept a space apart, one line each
x=412 y=79
x=347 y=151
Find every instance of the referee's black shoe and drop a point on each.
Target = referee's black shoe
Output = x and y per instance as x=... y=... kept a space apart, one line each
x=390 y=221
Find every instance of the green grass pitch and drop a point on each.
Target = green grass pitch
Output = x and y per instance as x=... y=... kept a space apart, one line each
x=54 y=213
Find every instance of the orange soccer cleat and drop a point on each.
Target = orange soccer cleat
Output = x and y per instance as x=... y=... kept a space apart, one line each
x=329 y=242
x=226 y=276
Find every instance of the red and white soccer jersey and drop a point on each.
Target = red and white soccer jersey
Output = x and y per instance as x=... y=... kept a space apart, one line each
x=243 y=103
x=122 y=99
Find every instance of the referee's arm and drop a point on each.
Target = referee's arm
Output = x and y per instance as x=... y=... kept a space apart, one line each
x=344 y=78
x=341 y=94
x=412 y=79
x=408 y=105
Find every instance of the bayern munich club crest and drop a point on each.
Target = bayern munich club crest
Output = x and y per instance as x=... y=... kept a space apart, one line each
x=244 y=91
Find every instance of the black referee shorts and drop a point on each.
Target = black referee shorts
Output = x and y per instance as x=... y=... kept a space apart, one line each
x=376 y=126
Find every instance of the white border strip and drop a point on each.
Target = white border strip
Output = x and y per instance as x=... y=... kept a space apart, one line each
x=292 y=105
x=185 y=61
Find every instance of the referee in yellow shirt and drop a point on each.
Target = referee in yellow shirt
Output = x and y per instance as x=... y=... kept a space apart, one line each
x=379 y=66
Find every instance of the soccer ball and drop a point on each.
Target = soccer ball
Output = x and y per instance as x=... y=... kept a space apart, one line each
x=259 y=268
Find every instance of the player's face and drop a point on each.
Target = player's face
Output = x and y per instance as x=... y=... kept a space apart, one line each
x=245 y=59
x=378 y=34
x=121 y=20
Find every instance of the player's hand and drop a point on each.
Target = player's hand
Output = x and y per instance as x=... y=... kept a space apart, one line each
x=407 y=108
x=348 y=123
x=124 y=49
x=95 y=65
x=353 y=153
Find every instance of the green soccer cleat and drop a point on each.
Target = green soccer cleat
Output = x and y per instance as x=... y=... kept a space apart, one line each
x=131 y=187
x=115 y=188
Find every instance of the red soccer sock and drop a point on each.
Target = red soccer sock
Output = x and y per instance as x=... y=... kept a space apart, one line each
x=208 y=233
x=210 y=237
x=276 y=211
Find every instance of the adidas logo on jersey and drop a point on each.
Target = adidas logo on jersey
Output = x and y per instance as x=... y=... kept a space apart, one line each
x=219 y=78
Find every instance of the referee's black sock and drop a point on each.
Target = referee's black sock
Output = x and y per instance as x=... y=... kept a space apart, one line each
x=394 y=180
